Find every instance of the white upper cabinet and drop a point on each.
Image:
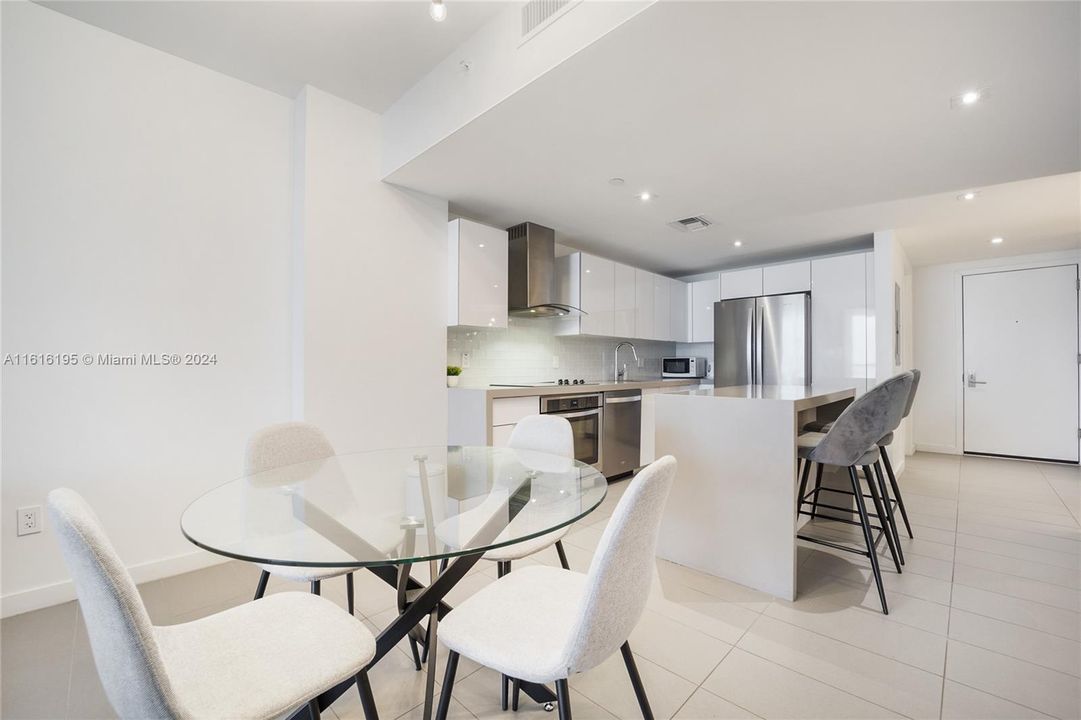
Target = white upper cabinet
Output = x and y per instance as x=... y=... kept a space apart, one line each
x=741 y=283
x=787 y=278
x=598 y=296
x=703 y=294
x=643 y=304
x=679 y=308
x=477 y=274
x=662 y=308
x=840 y=334
x=623 y=301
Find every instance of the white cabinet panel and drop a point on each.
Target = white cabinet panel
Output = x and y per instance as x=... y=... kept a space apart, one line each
x=598 y=295
x=788 y=278
x=662 y=308
x=741 y=283
x=643 y=304
x=477 y=274
x=703 y=294
x=679 y=309
x=839 y=321
x=623 y=301
x=506 y=411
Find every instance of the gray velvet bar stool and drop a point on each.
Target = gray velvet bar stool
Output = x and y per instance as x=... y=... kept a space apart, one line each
x=850 y=443
x=896 y=500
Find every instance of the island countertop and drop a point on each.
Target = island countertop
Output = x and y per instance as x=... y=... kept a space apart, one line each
x=805 y=397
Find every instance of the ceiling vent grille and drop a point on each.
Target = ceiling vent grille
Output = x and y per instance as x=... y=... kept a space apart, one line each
x=539 y=14
x=690 y=224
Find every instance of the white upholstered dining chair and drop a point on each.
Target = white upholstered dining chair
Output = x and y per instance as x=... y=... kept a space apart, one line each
x=542 y=624
x=284 y=444
x=258 y=660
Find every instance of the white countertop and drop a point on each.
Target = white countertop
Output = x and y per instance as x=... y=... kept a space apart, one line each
x=804 y=396
x=504 y=391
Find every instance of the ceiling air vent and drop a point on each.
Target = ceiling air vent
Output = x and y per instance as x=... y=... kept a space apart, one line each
x=690 y=224
x=539 y=14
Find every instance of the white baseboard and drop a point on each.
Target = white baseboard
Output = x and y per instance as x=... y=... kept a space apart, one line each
x=941 y=449
x=44 y=596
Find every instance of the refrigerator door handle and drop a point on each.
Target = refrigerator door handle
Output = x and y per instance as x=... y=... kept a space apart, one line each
x=756 y=343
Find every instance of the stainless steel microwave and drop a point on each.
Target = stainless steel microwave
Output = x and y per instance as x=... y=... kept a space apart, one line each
x=683 y=367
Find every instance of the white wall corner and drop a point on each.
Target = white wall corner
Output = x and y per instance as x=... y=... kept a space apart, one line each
x=296 y=256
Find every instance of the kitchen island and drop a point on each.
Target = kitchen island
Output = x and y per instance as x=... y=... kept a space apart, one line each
x=732 y=509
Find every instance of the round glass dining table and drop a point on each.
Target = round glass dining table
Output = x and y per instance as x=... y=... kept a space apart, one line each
x=386 y=510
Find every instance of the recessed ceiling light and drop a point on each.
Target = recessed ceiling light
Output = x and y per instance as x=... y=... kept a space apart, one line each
x=970 y=195
x=971 y=97
x=738 y=243
x=438 y=11
x=480 y=244
x=644 y=195
x=588 y=271
x=996 y=241
x=616 y=181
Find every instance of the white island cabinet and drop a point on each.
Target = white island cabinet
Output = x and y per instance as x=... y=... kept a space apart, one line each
x=732 y=510
x=476 y=274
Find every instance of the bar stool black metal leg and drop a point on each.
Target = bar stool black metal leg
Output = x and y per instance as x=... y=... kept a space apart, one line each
x=861 y=510
x=448 y=685
x=818 y=489
x=316 y=585
x=802 y=485
x=636 y=679
x=260 y=589
x=896 y=489
x=887 y=502
x=562 y=555
x=504 y=692
x=887 y=531
x=349 y=592
x=563 y=698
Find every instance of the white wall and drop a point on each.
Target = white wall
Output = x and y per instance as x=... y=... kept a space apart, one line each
x=892 y=268
x=937 y=344
x=146 y=209
x=374 y=287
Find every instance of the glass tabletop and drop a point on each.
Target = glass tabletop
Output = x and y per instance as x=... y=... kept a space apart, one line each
x=393 y=506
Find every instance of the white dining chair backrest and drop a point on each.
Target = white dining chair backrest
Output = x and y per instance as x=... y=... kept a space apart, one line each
x=284 y=444
x=121 y=634
x=543 y=433
x=620 y=575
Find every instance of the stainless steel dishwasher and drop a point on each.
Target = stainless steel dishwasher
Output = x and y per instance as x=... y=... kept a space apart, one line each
x=621 y=441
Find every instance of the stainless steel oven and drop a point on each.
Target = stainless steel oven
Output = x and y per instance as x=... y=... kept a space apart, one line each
x=585 y=413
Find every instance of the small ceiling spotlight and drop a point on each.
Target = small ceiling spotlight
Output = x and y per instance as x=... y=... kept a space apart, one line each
x=438 y=10
x=968 y=195
x=969 y=98
x=996 y=241
x=645 y=195
x=738 y=243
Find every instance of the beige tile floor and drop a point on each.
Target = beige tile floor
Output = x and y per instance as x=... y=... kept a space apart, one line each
x=985 y=622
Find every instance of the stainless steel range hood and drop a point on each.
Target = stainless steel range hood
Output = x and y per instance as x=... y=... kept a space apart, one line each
x=531 y=281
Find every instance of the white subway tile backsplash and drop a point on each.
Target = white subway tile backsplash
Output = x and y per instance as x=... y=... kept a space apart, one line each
x=523 y=352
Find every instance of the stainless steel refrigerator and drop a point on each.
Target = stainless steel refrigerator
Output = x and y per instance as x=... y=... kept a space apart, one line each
x=762 y=341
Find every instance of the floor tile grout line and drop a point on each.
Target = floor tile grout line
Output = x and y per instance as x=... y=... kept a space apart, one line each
x=1015 y=597
x=1014 y=557
x=999 y=697
x=1056 y=493
x=827 y=684
x=857 y=647
x=1020 y=660
x=949 y=618
x=1014 y=542
x=1015 y=575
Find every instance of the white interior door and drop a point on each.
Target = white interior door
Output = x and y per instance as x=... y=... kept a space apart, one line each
x=1020 y=363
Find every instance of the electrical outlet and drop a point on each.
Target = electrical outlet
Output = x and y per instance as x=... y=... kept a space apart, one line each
x=465 y=360
x=555 y=362
x=29 y=520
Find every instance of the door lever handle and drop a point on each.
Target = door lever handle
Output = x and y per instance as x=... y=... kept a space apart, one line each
x=973 y=382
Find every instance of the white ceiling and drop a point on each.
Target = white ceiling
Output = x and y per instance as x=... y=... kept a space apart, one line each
x=366 y=52
x=788 y=125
